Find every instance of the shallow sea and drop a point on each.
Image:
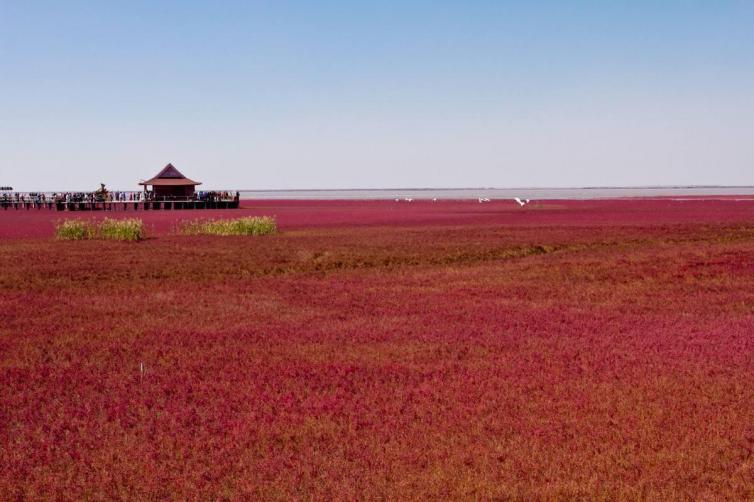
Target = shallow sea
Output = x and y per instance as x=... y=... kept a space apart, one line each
x=501 y=193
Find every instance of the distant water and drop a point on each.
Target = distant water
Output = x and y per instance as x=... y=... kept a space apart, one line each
x=500 y=193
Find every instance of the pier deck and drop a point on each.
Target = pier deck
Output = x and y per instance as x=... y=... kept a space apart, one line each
x=150 y=205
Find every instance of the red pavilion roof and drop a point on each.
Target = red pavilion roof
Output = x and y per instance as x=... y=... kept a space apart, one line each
x=169 y=176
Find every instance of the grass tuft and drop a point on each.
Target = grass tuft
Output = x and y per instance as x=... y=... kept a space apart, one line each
x=251 y=225
x=131 y=229
x=74 y=230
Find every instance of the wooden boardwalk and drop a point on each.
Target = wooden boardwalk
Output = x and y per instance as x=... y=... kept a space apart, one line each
x=150 y=205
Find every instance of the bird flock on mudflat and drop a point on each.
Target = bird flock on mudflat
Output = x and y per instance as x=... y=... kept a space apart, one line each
x=521 y=202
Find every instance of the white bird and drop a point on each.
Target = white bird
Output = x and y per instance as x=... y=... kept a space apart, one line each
x=434 y=200
x=483 y=199
x=408 y=199
x=397 y=200
x=521 y=203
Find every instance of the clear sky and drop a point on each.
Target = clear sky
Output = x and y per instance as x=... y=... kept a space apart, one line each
x=332 y=94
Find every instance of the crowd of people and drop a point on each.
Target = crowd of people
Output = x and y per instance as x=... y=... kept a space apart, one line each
x=34 y=199
x=217 y=196
x=44 y=198
x=50 y=199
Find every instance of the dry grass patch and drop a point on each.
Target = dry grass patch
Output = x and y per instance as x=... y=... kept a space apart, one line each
x=252 y=225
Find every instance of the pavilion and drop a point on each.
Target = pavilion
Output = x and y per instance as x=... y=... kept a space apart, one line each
x=170 y=183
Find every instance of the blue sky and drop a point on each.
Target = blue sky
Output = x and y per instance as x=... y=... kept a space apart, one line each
x=390 y=94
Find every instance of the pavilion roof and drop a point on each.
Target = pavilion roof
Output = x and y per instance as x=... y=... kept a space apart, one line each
x=169 y=176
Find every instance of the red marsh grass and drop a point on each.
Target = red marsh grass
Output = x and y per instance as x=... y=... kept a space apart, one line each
x=476 y=354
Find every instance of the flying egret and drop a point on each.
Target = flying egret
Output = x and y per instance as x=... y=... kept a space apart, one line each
x=521 y=202
x=483 y=199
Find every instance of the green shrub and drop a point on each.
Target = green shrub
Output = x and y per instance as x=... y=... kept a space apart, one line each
x=250 y=225
x=131 y=229
x=74 y=230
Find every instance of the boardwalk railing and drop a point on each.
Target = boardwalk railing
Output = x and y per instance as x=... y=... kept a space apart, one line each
x=120 y=201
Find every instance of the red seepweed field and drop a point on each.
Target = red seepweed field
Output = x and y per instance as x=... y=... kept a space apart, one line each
x=370 y=350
